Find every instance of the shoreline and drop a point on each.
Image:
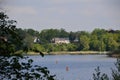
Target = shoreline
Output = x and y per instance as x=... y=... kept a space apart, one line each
x=71 y=53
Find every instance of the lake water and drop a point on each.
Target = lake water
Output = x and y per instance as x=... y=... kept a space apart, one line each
x=75 y=67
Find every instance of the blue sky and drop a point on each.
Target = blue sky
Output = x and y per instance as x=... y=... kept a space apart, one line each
x=72 y=15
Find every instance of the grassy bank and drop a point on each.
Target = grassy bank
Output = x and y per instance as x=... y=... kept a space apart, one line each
x=70 y=53
x=77 y=52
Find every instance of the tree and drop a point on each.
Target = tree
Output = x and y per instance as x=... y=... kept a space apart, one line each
x=63 y=33
x=32 y=32
x=95 y=44
x=48 y=34
x=71 y=47
x=111 y=43
x=11 y=65
x=99 y=32
x=37 y=47
x=84 y=42
x=8 y=35
x=72 y=36
x=28 y=42
x=84 y=33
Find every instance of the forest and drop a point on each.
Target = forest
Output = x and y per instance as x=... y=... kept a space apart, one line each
x=97 y=40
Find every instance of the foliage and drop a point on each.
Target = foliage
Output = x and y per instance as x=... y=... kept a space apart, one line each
x=60 y=47
x=71 y=47
x=15 y=66
x=8 y=36
x=48 y=34
x=98 y=40
x=72 y=36
x=99 y=76
x=99 y=32
x=28 y=42
x=102 y=76
x=97 y=45
x=32 y=32
x=116 y=72
x=38 y=47
x=84 y=43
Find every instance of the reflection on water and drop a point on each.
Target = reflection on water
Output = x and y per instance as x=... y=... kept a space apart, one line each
x=75 y=67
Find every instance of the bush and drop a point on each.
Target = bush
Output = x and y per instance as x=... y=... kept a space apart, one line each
x=21 y=68
x=102 y=76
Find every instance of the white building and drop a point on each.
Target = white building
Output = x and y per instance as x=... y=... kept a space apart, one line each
x=36 y=40
x=60 y=40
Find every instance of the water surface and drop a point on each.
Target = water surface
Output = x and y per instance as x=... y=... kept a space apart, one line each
x=75 y=67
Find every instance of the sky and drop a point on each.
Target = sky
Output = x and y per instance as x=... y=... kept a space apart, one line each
x=71 y=15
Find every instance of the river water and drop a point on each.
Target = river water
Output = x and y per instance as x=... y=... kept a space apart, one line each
x=75 y=67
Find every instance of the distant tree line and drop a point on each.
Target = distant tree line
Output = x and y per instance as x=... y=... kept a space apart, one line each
x=97 y=40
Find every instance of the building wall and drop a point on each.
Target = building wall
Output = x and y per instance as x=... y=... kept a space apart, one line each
x=61 y=40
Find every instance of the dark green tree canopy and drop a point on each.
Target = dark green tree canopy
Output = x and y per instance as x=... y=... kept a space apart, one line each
x=8 y=35
x=12 y=66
